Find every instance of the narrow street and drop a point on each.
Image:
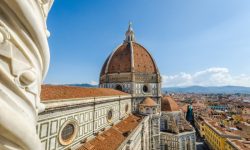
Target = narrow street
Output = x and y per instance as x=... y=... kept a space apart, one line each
x=201 y=146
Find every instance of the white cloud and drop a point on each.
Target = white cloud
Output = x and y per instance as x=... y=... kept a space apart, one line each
x=93 y=83
x=215 y=76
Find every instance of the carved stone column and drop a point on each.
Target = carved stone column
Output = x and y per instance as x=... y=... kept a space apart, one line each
x=24 y=61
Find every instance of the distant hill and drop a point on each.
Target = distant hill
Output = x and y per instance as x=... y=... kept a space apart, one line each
x=83 y=85
x=207 y=90
x=192 y=89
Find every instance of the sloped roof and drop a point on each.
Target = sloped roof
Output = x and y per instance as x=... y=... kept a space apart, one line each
x=168 y=104
x=54 y=92
x=148 y=102
x=184 y=108
x=112 y=138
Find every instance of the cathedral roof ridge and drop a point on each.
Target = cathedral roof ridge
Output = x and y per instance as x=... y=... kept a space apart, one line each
x=63 y=92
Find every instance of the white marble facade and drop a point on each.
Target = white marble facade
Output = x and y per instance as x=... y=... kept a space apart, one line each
x=139 y=138
x=181 y=141
x=90 y=116
x=137 y=88
x=173 y=134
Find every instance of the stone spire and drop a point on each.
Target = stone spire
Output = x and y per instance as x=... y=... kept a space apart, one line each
x=130 y=36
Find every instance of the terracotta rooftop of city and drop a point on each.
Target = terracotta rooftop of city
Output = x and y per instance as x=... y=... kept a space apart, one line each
x=169 y=104
x=129 y=57
x=228 y=131
x=112 y=138
x=184 y=108
x=149 y=102
x=54 y=92
x=240 y=144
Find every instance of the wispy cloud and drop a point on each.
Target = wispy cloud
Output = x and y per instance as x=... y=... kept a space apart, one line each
x=215 y=76
x=93 y=83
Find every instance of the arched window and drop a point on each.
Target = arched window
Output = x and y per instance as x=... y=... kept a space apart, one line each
x=166 y=124
x=154 y=110
x=148 y=110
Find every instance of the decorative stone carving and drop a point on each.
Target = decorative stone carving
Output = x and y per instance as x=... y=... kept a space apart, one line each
x=24 y=60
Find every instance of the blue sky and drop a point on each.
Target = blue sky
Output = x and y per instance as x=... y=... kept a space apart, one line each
x=194 y=42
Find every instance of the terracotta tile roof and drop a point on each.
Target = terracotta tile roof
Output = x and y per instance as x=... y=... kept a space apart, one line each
x=53 y=92
x=168 y=104
x=246 y=116
x=184 y=108
x=148 y=102
x=120 y=61
x=226 y=130
x=241 y=144
x=143 y=60
x=104 y=66
x=112 y=138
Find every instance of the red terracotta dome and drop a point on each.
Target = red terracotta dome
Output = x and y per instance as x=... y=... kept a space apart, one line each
x=129 y=57
x=168 y=104
x=149 y=102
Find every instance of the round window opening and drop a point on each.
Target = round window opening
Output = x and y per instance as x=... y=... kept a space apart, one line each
x=145 y=89
x=68 y=132
x=110 y=115
x=126 y=108
x=118 y=87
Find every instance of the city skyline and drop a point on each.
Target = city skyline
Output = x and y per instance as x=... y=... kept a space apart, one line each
x=193 y=43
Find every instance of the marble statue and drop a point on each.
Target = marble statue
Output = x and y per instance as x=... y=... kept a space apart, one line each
x=24 y=61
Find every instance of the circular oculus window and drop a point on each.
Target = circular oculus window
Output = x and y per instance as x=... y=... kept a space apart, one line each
x=110 y=115
x=118 y=87
x=68 y=132
x=126 y=108
x=145 y=89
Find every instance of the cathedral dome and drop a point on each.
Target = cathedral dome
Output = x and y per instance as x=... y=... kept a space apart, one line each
x=168 y=104
x=129 y=57
x=148 y=102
